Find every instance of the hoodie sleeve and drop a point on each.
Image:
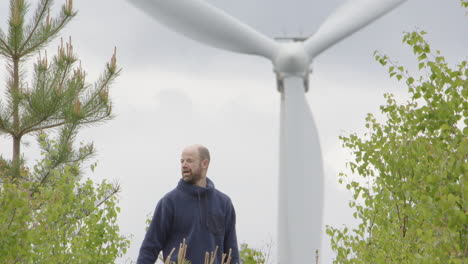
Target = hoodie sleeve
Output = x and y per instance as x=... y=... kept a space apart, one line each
x=230 y=238
x=157 y=233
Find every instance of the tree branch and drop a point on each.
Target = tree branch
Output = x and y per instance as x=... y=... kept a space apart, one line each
x=114 y=191
x=12 y=218
x=6 y=46
x=32 y=129
x=51 y=33
x=36 y=25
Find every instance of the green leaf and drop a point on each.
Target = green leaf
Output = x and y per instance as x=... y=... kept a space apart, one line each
x=422 y=57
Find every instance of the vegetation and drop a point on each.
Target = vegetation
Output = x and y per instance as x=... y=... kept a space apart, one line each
x=252 y=255
x=65 y=220
x=410 y=195
x=58 y=96
x=49 y=213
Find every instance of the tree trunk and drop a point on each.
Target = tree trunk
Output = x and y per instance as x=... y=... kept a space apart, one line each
x=15 y=92
x=16 y=156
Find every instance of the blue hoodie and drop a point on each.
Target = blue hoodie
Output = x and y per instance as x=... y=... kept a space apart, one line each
x=205 y=217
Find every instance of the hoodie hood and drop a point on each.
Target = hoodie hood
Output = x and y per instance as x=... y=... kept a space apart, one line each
x=194 y=189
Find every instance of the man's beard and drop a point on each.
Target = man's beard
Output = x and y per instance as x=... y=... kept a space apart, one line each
x=193 y=178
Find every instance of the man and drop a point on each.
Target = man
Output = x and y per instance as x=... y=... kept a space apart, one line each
x=194 y=210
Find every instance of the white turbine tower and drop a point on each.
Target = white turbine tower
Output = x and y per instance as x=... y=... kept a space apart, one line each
x=301 y=175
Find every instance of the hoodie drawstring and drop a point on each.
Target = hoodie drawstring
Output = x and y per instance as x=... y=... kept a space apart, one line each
x=206 y=208
x=199 y=208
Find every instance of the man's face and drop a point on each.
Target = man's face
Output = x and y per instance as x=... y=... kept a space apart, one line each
x=191 y=166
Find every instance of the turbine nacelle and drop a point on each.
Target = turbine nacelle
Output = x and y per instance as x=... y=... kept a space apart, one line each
x=292 y=60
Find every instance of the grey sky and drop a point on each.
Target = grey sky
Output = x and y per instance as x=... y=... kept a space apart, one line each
x=174 y=92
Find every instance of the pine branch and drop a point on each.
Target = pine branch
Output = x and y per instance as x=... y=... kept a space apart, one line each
x=97 y=103
x=46 y=104
x=62 y=67
x=42 y=118
x=4 y=122
x=62 y=157
x=4 y=129
x=4 y=48
x=39 y=39
x=97 y=120
x=33 y=128
x=6 y=117
x=18 y=10
x=45 y=4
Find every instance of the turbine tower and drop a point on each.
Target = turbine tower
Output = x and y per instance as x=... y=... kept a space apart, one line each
x=300 y=171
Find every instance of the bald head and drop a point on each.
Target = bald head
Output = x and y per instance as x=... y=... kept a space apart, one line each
x=194 y=161
x=202 y=151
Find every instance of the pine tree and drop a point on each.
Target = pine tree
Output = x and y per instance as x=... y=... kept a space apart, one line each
x=58 y=97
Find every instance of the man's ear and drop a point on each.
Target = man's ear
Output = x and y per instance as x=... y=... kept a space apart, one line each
x=205 y=163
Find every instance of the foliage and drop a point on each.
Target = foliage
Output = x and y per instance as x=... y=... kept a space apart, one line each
x=464 y=3
x=251 y=255
x=67 y=220
x=58 y=96
x=50 y=214
x=410 y=196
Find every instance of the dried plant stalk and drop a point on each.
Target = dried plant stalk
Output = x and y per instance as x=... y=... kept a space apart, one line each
x=213 y=255
x=182 y=252
x=168 y=259
x=228 y=261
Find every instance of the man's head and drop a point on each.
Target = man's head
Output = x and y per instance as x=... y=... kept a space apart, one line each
x=194 y=164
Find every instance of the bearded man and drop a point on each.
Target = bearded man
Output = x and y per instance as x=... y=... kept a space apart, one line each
x=194 y=211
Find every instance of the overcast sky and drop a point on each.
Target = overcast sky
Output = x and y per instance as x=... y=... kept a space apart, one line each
x=173 y=92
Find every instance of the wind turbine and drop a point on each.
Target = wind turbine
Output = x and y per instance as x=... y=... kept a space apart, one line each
x=301 y=174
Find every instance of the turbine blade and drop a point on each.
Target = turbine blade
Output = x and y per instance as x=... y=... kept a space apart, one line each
x=301 y=178
x=202 y=22
x=345 y=20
